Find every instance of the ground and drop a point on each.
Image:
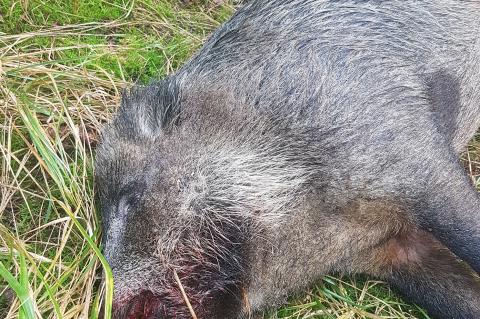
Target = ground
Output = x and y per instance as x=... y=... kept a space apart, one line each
x=63 y=64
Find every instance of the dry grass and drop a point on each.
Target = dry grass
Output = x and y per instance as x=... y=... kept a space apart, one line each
x=58 y=84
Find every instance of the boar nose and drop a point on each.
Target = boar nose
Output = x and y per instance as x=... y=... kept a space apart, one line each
x=142 y=306
x=113 y=239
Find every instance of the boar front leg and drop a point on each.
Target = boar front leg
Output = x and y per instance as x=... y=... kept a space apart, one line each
x=448 y=207
x=386 y=243
x=421 y=260
x=375 y=237
x=425 y=272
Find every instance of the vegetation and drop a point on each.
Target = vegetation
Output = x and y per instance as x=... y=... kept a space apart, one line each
x=63 y=64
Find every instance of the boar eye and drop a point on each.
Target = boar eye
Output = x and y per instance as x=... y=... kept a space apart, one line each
x=131 y=195
x=132 y=200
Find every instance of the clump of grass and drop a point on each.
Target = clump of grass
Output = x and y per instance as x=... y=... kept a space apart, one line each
x=62 y=68
x=353 y=297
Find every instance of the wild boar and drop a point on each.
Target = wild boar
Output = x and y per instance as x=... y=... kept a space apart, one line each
x=304 y=138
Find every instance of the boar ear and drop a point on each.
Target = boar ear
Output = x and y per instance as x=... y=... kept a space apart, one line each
x=145 y=112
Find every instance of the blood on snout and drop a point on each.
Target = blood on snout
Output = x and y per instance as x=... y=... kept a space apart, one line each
x=143 y=306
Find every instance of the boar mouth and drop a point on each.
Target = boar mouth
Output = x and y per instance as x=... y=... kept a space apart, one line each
x=143 y=306
x=180 y=303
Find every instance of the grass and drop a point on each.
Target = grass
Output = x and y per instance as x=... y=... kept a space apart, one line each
x=63 y=64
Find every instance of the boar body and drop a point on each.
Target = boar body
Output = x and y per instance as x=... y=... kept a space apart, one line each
x=304 y=138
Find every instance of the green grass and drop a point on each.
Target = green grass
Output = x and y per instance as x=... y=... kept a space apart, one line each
x=63 y=64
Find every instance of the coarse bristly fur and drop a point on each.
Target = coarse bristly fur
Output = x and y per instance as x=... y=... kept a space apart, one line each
x=304 y=138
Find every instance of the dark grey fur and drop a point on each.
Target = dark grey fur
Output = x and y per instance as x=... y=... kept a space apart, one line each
x=306 y=137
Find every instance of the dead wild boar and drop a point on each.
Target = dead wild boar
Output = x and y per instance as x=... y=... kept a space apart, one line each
x=306 y=137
